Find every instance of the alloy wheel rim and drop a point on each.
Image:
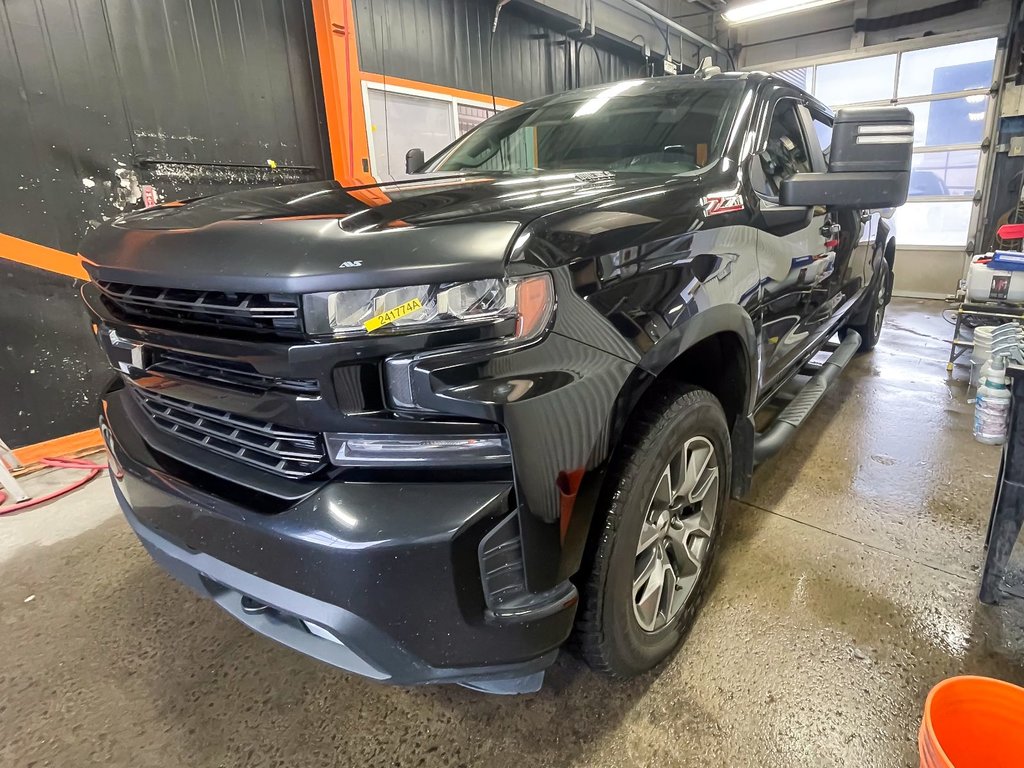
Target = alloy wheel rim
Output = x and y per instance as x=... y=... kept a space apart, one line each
x=879 y=310
x=676 y=534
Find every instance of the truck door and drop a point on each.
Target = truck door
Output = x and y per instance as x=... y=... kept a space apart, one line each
x=796 y=247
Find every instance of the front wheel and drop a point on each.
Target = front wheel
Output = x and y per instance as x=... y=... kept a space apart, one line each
x=658 y=539
x=871 y=331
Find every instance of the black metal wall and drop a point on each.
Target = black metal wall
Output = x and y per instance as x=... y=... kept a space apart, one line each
x=101 y=97
x=447 y=42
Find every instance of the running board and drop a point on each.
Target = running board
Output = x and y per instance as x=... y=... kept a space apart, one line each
x=811 y=367
x=767 y=443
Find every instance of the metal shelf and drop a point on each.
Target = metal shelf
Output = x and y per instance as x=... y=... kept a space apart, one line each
x=1001 y=312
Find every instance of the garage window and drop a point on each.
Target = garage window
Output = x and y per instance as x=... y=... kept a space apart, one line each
x=399 y=119
x=947 y=89
x=859 y=80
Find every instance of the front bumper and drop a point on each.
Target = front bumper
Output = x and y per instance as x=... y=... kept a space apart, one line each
x=557 y=400
x=389 y=572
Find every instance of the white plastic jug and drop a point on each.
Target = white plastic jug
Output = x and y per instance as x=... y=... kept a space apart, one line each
x=981 y=352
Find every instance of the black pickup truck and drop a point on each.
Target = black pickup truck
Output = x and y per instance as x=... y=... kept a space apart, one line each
x=425 y=431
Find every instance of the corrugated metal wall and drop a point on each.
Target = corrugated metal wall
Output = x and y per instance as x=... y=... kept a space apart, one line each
x=446 y=42
x=100 y=97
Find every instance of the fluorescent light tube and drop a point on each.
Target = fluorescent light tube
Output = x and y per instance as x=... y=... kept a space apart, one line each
x=767 y=9
x=594 y=103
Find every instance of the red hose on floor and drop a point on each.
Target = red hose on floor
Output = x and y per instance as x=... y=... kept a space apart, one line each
x=90 y=467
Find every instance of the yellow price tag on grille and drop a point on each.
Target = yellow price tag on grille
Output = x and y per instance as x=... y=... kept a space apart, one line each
x=384 y=318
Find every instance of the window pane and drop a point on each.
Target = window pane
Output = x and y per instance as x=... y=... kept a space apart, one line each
x=949 y=121
x=470 y=117
x=824 y=131
x=933 y=223
x=849 y=82
x=786 y=153
x=801 y=78
x=399 y=122
x=945 y=173
x=949 y=68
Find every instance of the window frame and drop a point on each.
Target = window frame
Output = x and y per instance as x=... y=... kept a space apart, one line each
x=810 y=113
x=803 y=111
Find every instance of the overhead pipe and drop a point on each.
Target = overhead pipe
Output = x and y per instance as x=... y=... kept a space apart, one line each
x=687 y=33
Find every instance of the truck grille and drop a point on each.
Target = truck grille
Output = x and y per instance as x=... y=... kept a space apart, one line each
x=255 y=312
x=283 y=451
x=229 y=373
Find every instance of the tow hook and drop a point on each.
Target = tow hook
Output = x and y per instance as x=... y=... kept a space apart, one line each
x=252 y=607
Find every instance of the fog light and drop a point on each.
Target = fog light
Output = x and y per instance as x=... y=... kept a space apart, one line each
x=372 y=450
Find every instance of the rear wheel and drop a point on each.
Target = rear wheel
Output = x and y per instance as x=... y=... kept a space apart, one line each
x=656 y=544
x=871 y=331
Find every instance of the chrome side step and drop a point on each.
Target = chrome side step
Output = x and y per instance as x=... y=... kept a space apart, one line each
x=799 y=408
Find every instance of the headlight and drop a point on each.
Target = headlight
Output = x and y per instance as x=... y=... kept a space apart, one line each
x=373 y=311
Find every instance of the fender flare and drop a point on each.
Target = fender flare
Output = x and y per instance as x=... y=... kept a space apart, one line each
x=725 y=318
x=722 y=318
x=884 y=245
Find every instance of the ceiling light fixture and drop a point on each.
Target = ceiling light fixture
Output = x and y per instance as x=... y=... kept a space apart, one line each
x=767 y=9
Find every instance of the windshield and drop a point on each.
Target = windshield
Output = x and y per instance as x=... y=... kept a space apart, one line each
x=636 y=126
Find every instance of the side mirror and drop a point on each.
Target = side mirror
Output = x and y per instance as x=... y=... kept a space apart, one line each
x=869 y=163
x=414 y=160
x=782 y=220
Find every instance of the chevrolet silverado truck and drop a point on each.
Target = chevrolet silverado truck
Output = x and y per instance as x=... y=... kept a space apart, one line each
x=427 y=431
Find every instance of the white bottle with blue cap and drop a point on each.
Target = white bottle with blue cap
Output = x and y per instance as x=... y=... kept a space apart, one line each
x=992 y=405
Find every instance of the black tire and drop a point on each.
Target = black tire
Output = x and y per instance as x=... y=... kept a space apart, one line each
x=609 y=634
x=871 y=331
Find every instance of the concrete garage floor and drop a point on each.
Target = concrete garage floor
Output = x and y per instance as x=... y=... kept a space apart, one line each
x=845 y=589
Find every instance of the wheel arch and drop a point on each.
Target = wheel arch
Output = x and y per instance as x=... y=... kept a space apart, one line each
x=884 y=249
x=890 y=258
x=885 y=242
x=717 y=351
x=679 y=354
x=717 y=341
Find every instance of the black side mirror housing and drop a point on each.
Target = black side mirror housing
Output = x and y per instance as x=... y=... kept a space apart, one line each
x=869 y=163
x=865 y=190
x=414 y=160
x=782 y=220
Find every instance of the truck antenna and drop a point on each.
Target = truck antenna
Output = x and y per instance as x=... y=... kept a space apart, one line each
x=707 y=69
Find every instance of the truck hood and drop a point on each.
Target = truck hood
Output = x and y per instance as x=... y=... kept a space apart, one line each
x=321 y=236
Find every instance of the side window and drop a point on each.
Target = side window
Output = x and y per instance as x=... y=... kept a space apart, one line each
x=786 y=153
x=824 y=131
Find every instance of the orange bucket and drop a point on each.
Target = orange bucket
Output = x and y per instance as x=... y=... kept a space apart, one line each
x=973 y=722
